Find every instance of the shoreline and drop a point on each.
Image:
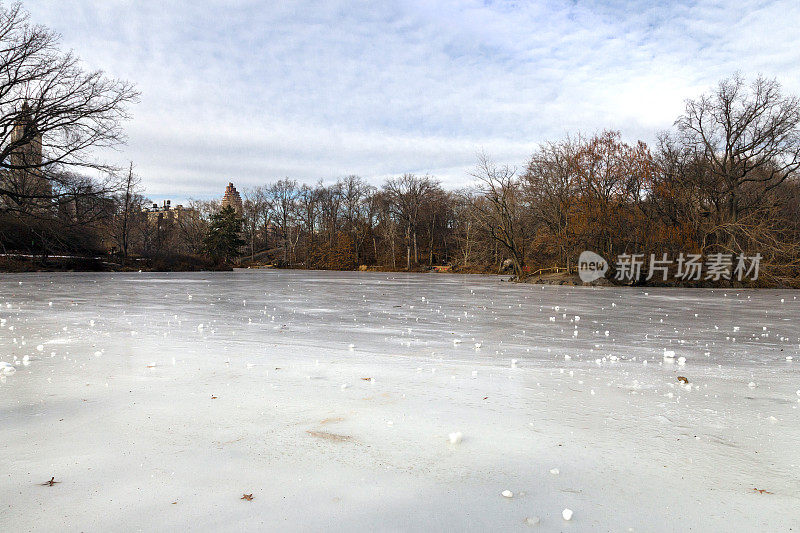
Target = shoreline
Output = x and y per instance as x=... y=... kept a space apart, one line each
x=21 y=263
x=26 y=263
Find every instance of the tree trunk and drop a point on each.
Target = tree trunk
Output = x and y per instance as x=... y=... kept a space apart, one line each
x=408 y=247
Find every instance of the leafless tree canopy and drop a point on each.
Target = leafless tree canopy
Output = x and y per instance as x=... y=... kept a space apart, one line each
x=500 y=208
x=744 y=134
x=51 y=108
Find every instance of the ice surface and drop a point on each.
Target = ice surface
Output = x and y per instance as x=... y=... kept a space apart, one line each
x=157 y=400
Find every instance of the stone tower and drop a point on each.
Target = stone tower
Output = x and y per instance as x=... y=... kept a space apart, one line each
x=25 y=174
x=232 y=198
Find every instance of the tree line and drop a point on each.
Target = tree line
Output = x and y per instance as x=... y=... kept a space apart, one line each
x=724 y=180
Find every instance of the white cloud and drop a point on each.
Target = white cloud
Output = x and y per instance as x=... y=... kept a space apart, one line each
x=250 y=91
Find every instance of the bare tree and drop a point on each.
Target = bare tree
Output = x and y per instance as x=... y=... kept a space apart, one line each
x=128 y=206
x=330 y=207
x=354 y=192
x=308 y=212
x=745 y=135
x=500 y=209
x=464 y=226
x=192 y=222
x=253 y=207
x=283 y=196
x=52 y=113
x=551 y=183
x=406 y=196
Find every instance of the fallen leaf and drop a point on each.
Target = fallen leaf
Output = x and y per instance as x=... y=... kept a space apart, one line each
x=367 y=379
x=213 y=397
x=248 y=497
x=485 y=397
x=175 y=502
x=683 y=379
x=761 y=491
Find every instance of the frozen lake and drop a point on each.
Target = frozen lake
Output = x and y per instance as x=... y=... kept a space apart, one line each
x=157 y=401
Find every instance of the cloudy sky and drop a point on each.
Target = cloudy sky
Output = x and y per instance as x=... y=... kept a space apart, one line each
x=251 y=91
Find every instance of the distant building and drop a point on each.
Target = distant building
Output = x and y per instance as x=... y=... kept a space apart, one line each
x=166 y=212
x=24 y=175
x=232 y=199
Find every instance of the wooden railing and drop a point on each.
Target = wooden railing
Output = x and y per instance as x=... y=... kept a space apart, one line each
x=551 y=270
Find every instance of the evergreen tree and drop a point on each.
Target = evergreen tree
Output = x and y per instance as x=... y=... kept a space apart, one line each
x=223 y=240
